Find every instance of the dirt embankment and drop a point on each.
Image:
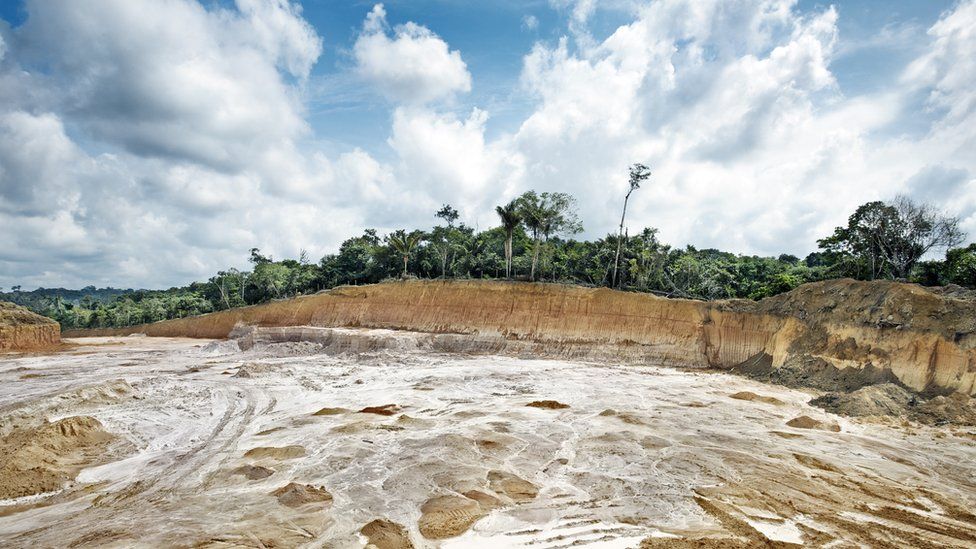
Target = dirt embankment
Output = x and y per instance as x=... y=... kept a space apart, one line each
x=22 y=330
x=838 y=334
x=39 y=459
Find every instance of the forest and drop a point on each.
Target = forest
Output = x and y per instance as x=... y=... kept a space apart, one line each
x=535 y=241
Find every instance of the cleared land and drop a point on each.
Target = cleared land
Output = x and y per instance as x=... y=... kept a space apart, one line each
x=179 y=442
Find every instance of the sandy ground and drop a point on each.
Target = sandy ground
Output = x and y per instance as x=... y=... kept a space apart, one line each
x=221 y=448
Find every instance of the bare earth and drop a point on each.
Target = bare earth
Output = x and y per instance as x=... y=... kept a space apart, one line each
x=190 y=443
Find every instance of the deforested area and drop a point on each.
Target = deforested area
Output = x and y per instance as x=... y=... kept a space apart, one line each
x=174 y=442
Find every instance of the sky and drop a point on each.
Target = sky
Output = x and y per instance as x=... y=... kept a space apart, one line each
x=149 y=143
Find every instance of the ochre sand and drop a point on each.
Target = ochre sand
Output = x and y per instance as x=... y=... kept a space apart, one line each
x=285 y=445
x=858 y=332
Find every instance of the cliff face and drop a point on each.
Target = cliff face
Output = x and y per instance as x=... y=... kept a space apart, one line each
x=22 y=330
x=834 y=333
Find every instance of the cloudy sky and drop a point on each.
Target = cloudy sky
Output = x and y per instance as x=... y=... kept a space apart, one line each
x=149 y=143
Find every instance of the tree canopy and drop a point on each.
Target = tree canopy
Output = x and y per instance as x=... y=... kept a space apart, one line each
x=534 y=241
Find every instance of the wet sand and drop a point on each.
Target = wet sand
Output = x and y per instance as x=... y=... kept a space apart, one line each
x=282 y=446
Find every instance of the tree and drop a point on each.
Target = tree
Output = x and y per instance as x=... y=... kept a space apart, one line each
x=887 y=240
x=547 y=215
x=444 y=239
x=257 y=259
x=404 y=244
x=638 y=173
x=511 y=218
x=448 y=214
x=56 y=304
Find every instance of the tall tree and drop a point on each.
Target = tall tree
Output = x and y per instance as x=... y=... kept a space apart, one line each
x=404 y=244
x=448 y=214
x=638 y=174
x=888 y=239
x=511 y=218
x=547 y=215
x=443 y=238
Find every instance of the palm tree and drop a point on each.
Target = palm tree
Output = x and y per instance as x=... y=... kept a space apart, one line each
x=404 y=245
x=511 y=219
x=638 y=173
x=56 y=303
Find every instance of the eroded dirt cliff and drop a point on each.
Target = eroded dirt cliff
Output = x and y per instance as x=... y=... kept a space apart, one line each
x=22 y=330
x=839 y=334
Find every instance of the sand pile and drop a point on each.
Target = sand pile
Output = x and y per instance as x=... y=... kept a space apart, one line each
x=548 y=405
x=448 y=516
x=753 y=397
x=296 y=495
x=41 y=459
x=275 y=452
x=893 y=400
x=516 y=488
x=807 y=422
x=384 y=534
x=22 y=330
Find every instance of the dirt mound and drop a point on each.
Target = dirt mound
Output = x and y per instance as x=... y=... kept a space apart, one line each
x=384 y=534
x=256 y=369
x=753 y=397
x=893 y=400
x=448 y=516
x=807 y=422
x=516 y=488
x=331 y=412
x=22 y=330
x=886 y=399
x=487 y=501
x=384 y=410
x=275 y=452
x=296 y=495
x=548 y=404
x=41 y=459
x=254 y=472
x=880 y=304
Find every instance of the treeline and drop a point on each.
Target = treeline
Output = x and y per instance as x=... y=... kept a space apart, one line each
x=534 y=242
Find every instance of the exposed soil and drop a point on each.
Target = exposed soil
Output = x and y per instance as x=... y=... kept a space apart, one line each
x=892 y=400
x=547 y=404
x=649 y=455
x=753 y=397
x=267 y=452
x=254 y=472
x=34 y=460
x=296 y=495
x=23 y=331
x=384 y=410
x=807 y=422
x=384 y=534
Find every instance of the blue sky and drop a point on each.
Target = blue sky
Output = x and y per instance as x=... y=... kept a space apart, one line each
x=150 y=143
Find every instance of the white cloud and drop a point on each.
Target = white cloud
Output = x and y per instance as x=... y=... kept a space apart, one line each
x=529 y=22
x=204 y=140
x=157 y=143
x=413 y=66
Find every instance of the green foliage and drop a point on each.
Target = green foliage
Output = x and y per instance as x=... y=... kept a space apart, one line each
x=536 y=230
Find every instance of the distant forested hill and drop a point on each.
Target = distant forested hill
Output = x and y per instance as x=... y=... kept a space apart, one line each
x=42 y=299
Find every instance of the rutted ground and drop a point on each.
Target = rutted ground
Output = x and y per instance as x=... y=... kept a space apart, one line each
x=284 y=445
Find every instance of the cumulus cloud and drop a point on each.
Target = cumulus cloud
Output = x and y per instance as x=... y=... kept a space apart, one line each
x=201 y=134
x=413 y=65
x=155 y=144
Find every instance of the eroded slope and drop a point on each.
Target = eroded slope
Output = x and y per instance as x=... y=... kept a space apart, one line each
x=22 y=330
x=834 y=334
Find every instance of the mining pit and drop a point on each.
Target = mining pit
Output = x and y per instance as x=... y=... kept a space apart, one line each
x=165 y=442
x=472 y=414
